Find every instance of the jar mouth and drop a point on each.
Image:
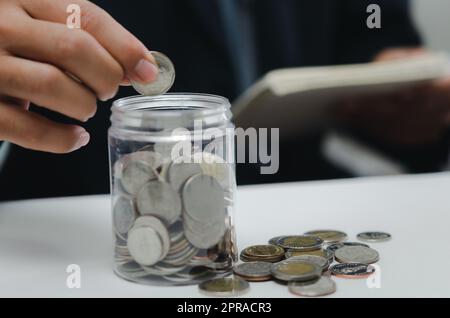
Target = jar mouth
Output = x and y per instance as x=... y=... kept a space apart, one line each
x=171 y=105
x=168 y=111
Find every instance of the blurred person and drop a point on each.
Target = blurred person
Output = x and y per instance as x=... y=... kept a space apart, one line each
x=218 y=47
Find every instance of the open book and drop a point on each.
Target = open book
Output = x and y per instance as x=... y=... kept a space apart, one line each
x=298 y=100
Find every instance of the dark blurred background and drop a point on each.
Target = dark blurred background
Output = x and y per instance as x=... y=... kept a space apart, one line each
x=286 y=33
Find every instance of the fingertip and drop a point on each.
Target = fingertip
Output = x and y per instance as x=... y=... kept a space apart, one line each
x=125 y=82
x=146 y=69
x=82 y=138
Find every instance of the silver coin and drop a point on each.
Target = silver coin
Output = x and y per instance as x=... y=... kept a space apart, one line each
x=159 y=199
x=322 y=287
x=318 y=260
x=254 y=270
x=182 y=257
x=374 y=237
x=203 y=199
x=164 y=81
x=224 y=287
x=333 y=247
x=356 y=254
x=124 y=215
x=206 y=237
x=216 y=167
x=179 y=172
x=353 y=270
x=138 y=169
x=145 y=245
x=290 y=269
x=158 y=226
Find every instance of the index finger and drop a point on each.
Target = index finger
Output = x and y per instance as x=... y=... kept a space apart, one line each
x=131 y=53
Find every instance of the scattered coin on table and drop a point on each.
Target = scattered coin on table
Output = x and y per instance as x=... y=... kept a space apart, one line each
x=352 y=270
x=322 y=287
x=224 y=287
x=322 y=253
x=254 y=271
x=298 y=270
x=307 y=265
x=301 y=242
x=356 y=254
x=329 y=236
x=374 y=237
x=333 y=247
x=266 y=253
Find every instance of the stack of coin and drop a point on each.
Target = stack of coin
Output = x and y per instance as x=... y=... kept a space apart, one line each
x=325 y=253
x=254 y=271
x=329 y=236
x=171 y=217
x=306 y=268
x=294 y=269
x=263 y=253
x=300 y=242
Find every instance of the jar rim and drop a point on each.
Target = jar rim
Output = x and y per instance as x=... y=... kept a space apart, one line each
x=210 y=104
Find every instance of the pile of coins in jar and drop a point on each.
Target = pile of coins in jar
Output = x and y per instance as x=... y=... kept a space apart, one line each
x=305 y=263
x=171 y=217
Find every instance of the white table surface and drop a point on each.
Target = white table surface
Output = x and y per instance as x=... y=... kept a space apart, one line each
x=40 y=238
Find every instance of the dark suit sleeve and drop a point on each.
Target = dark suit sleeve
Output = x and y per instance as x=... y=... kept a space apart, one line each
x=357 y=43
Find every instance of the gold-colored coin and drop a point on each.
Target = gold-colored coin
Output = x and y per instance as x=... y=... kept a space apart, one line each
x=301 y=242
x=322 y=253
x=266 y=253
x=329 y=236
x=296 y=268
x=224 y=287
x=289 y=270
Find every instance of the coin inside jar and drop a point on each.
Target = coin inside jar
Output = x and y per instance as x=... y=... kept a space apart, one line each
x=124 y=215
x=179 y=172
x=145 y=245
x=159 y=199
x=203 y=199
x=164 y=80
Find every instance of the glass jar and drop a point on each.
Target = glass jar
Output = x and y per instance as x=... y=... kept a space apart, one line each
x=172 y=188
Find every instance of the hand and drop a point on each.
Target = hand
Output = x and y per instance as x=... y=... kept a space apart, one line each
x=410 y=117
x=64 y=70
